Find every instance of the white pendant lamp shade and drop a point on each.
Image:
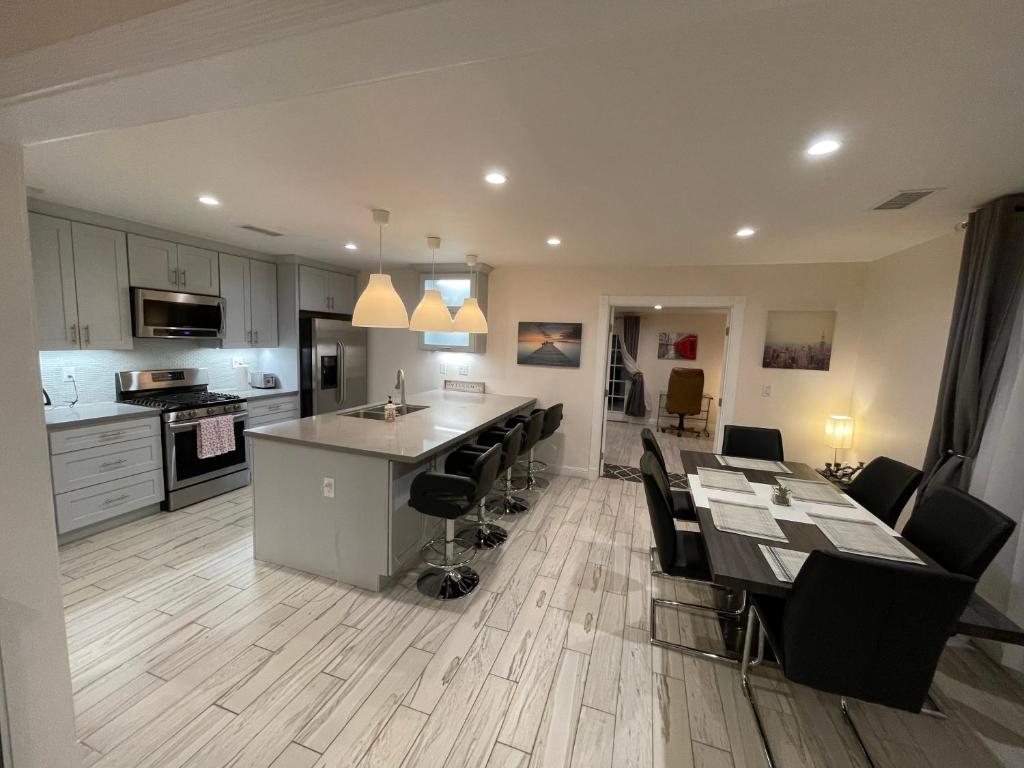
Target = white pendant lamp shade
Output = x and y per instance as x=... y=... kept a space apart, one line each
x=470 y=318
x=379 y=304
x=431 y=314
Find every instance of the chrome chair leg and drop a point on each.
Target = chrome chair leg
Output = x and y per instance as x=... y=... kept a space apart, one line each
x=702 y=653
x=753 y=625
x=451 y=577
x=698 y=606
x=845 y=709
x=484 y=534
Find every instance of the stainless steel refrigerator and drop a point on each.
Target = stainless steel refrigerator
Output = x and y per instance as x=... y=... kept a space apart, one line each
x=333 y=374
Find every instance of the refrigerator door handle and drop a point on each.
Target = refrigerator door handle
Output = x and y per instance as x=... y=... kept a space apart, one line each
x=342 y=389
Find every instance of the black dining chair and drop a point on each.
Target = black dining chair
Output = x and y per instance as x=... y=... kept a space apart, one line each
x=752 y=443
x=959 y=532
x=679 y=555
x=682 y=501
x=859 y=627
x=884 y=487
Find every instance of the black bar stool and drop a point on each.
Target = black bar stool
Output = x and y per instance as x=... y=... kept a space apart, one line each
x=532 y=426
x=439 y=494
x=484 y=534
x=550 y=419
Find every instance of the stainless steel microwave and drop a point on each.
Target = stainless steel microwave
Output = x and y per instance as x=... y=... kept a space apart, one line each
x=169 y=315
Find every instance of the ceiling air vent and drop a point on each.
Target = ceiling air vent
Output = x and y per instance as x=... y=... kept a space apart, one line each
x=261 y=230
x=904 y=198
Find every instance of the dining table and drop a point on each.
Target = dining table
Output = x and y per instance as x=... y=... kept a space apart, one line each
x=737 y=561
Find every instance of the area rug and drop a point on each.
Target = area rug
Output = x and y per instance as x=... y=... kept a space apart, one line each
x=632 y=475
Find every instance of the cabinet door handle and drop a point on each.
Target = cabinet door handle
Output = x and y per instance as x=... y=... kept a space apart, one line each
x=116 y=499
x=111 y=435
x=174 y=276
x=256 y=335
x=85 y=333
x=74 y=333
x=111 y=464
x=273 y=407
x=184 y=280
x=248 y=336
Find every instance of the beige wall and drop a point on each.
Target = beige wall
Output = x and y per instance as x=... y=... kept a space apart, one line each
x=908 y=302
x=710 y=330
x=800 y=401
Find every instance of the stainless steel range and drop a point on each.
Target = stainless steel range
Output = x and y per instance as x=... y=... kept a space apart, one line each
x=183 y=396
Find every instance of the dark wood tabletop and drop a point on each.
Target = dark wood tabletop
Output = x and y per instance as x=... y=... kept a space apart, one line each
x=736 y=561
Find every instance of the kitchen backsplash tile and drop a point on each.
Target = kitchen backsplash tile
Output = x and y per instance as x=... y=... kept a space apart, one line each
x=94 y=370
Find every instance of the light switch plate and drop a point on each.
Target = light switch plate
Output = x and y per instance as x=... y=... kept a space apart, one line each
x=463 y=370
x=442 y=369
x=766 y=390
x=327 y=489
x=67 y=375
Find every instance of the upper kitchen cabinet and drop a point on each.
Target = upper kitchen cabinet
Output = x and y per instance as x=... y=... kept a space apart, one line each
x=53 y=269
x=166 y=266
x=324 y=291
x=249 y=290
x=81 y=285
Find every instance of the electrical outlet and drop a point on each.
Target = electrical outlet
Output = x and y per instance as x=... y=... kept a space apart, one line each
x=443 y=369
x=327 y=489
x=237 y=362
x=766 y=390
x=463 y=370
x=67 y=375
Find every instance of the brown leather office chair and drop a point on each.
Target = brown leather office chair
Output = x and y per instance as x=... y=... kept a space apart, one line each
x=685 y=393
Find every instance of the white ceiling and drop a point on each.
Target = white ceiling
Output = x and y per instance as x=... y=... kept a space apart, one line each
x=647 y=148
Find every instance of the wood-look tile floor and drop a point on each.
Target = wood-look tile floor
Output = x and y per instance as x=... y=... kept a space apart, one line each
x=187 y=652
x=622 y=445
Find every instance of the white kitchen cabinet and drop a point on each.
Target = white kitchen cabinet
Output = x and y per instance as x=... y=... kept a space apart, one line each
x=249 y=290
x=198 y=271
x=152 y=263
x=166 y=266
x=263 y=302
x=314 y=288
x=341 y=293
x=101 y=281
x=324 y=291
x=53 y=267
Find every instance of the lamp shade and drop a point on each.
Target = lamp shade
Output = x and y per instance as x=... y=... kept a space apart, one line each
x=470 y=318
x=839 y=431
x=380 y=306
x=431 y=314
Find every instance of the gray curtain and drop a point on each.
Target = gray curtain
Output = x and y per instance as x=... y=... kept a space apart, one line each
x=636 y=404
x=987 y=296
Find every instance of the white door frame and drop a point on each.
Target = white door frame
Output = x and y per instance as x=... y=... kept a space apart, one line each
x=734 y=307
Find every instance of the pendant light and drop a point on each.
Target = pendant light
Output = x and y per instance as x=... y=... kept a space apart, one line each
x=379 y=304
x=431 y=314
x=470 y=318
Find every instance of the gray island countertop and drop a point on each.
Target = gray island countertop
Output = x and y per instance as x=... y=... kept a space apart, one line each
x=447 y=420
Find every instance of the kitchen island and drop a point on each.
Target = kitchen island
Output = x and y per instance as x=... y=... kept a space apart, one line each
x=331 y=492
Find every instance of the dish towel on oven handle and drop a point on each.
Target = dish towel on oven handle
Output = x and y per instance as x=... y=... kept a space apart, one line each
x=215 y=436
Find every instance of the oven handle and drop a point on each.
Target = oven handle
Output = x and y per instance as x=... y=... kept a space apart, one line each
x=182 y=426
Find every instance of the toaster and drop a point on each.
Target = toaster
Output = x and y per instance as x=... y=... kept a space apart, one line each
x=261 y=380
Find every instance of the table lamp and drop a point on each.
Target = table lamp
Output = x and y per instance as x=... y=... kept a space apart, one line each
x=839 y=434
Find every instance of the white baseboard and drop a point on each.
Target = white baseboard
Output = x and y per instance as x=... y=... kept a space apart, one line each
x=567 y=471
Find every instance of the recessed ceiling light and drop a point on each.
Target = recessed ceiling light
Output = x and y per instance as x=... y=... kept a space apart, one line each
x=554 y=241
x=657 y=306
x=350 y=246
x=823 y=147
x=209 y=200
x=496 y=178
x=745 y=232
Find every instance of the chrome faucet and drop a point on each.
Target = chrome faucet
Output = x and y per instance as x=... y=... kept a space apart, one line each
x=400 y=384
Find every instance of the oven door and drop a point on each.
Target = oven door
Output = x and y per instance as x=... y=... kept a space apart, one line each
x=169 y=315
x=181 y=452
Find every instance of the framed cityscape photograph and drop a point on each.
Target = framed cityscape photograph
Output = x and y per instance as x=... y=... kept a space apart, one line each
x=556 y=345
x=799 y=340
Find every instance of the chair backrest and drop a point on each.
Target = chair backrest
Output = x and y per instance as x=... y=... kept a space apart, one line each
x=752 y=443
x=650 y=443
x=552 y=420
x=485 y=471
x=869 y=628
x=961 y=533
x=884 y=487
x=534 y=427
x=659 y=507
x=685 y=391
x=511 y=443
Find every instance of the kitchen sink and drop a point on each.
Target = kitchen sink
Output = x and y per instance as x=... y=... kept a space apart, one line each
x=376 y=412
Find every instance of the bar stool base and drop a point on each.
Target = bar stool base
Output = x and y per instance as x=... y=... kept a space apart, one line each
x=447 y=583
x=487 y=536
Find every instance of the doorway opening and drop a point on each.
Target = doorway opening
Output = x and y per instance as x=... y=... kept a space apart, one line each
x=670 y=369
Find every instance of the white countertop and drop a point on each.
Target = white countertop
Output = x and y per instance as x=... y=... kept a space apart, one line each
x=253 y=393
x=448 y=419
x=58 y=416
